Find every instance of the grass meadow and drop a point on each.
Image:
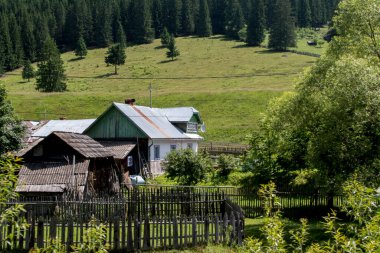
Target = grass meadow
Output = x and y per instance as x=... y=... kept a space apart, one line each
x=229 y=83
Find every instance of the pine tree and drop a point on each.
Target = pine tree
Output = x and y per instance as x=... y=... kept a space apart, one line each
x=172 y=18
x=11 y=129
x=304 y=13
x=140 y=22
x=116 y=56
x=81 y=48
x=51 y=73
x=173 y=51
x=165 y=37
x=218 y=16
x=41 y=35
x=256 y=24
x=28 y=71
x=5 y=43
x=188 y=25
x=204 y=22
x=282 y=33
x=270 y=16
x=234 y=19
x=120 y=35
x=27 y=37
x=103 y=28
x=157 y=17
x=18 y=51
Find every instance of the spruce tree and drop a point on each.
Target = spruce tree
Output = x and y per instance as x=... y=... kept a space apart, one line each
x=204 y=28
x=188 y=25
x=157 y=17
x=6 y=43
x=304 y=13
x=234 y=19
x=173 y=16
x=120 y=35
x=18 y=51
x=51 y=73
x=256 y=24
x=165 y=37
x=173 y=51
x=11 y=129
x=27 y=37
x=28 y=71
x=218 y=10
x=141 y=30
x=282 y=33
x=116 y=56
x=81 y=48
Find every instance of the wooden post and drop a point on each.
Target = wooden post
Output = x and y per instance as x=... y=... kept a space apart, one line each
x=194 y=220
x=137 y=238
x=216 y=228
x=116 y=232
x=146 y=244
x=70 y=235
x=40 y=233
x=175 y=232
x=207 y=228
x=129 y=235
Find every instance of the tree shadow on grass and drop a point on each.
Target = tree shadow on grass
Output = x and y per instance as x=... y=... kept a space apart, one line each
x=105 y=75
x=242 y=46
x=75 y=59
x=269 y=51
x=160 y=47
x=167 y=61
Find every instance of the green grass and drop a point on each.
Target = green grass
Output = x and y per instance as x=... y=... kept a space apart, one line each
x=230 y=106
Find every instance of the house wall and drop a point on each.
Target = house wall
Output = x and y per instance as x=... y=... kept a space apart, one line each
x=114 y=125
x=165 y=148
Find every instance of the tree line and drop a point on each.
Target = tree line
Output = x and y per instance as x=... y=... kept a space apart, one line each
x=25 y=25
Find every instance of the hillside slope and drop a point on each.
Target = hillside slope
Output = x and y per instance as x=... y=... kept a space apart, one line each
x=230 y=84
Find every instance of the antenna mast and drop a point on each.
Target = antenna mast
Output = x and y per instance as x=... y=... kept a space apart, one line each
x=150 y=94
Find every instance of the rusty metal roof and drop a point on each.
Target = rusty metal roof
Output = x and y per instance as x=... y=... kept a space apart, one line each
x=151 y=121
x=119 y=149
x=85 y=145
x=70 y=126
x=51 y=176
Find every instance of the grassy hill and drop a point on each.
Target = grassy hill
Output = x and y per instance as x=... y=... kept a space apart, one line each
x=230 y=84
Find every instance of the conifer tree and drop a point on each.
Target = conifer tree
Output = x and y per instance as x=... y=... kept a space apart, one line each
x=234 y=19
x=81 y=48
x=282 y=33
x=157 y=17
x=270 y=16
x=51 y=73
x=188 y=25
x=18 y=51
x=41 y=35
x=304 y=13
x=256 y=24
x=120 y=35
x=103 y=28
x=204 y=28
x=173 y=51
x=11 y=129
x=141 y=30
x=28 y=71
x=27 y=37
x=5 y=43
x=116 y=56
x=218 y=10
x=165 y=37
x=173 y=16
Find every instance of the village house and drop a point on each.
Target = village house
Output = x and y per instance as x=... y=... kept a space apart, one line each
x=91 y=155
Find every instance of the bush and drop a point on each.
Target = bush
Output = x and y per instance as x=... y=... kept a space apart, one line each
x=187 y=167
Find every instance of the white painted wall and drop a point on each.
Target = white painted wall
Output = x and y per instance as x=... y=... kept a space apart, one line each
x=165 y=146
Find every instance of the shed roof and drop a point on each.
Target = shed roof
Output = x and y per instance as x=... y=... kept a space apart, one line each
x=84 y=144
x=119 y=149
x=51 y=177
x=70 y=126
x=151 y=121
x=180 y=114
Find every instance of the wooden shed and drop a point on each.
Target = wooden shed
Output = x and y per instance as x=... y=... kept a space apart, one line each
x=67 y=164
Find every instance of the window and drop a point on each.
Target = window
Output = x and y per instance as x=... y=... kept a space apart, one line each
x=156 y=152
x=129 y=161
x=192 y=127
x=173 y=147
x=190 y=145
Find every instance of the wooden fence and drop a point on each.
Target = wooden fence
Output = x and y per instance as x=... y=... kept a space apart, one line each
x=216 y=148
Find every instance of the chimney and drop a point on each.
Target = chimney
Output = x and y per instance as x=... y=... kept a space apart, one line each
x=130 y=101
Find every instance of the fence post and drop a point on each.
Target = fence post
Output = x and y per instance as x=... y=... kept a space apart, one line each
x=129 y=235
x=70 y=235
x=194 y=220
x=146 y=245
x=207 y=228
x=225 y=225
x=216 y=228
x=137 y=234
x=40 y=233
x=116 y=232
x=175 y=232
x=233 y=228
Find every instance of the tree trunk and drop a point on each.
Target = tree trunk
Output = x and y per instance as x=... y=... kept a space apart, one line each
x=115 y=69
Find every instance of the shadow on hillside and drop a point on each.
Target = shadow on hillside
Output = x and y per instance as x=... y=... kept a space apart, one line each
x=75 y=59
x=105 y=75
x=267 y=51
x=167 y=61
x=160 y=47
x=241 y=46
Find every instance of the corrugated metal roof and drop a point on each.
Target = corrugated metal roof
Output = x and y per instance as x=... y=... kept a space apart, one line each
x=151 y=121
x=179 y=114
x=194 y=136
x=119 y=149
x=70 y=126
x=51 y=176
x=85 y=145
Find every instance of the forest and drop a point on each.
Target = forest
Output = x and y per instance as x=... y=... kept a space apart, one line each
x=25 y=25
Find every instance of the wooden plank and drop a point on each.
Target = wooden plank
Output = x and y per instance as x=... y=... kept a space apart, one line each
x=70 y=235
x=146 y=243
x=53 y=228
x=129 y=234
x=194 y=227
x=175 y=232
x=116 y=232
x=40 y=233
x=137 y=239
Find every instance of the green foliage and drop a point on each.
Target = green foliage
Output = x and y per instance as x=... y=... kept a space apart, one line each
x=165 y=37
x=234 y=19
x=187 y=167
x=81 y=48
x=282 y=32
x=51 y=72
x=256 y=24
x=93 y=239
x=204 y=28
x=188 y=24
x=304 y=13
x=28 y=71
x=173 y=51
x=243 y=33
x=54 y=246
x=140 y=26
x=226 y=164
x=116 y=56
x=11 y=130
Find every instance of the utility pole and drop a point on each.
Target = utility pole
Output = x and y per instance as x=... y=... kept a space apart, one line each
x=150 y=94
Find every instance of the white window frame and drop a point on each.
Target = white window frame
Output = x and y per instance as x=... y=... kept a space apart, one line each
x=156 y=152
